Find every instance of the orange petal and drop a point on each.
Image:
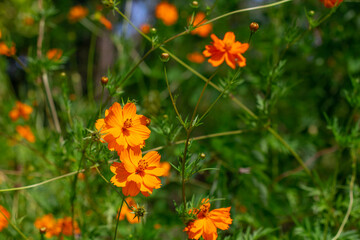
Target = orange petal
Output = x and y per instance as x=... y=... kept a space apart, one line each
x=230 y=60
x=129 y=110
x=131 y=189
x=229 y=38
x=152 y=158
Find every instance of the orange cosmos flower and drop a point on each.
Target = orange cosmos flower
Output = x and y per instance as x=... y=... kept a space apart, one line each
x=331 y=3
x=77 y=13
x=49 y=222
x=104 y=21
x=136 y=173
x=195 y=57
x=66 y=226
x=129 y=213
x=4 y=216
x=54 y=54
x=20 y=110
x=207 y=222
x=202 y=31
x=167 y=13
x=227 y=50
x=123 y=128
x=25 y=132
x=145 y=28
x=5 y=50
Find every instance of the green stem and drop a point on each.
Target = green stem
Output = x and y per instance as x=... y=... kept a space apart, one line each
x=14 y=226
x=118 y=216
x=101 y=100
x=90 y=68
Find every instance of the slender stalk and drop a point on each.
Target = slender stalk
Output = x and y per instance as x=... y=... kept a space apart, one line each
x=101 y=99
x=351 y=196
x=118 y=216
x=172 y=99
x=14 y=226
x=90 y=68
x=18 y=60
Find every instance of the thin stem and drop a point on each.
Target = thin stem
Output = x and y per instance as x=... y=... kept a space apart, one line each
x=90 y=67
x=172 y=99
x=14 y=226
x=101 y=99
x=351 y=196
x=18 y=60
x=118 y=216
x=246 y=10
x=200 y=97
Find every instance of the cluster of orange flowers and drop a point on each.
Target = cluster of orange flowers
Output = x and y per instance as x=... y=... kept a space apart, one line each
x=56 y=227
x=5 y=49
x=126 y=132
x=207 y=222
x=4 y=216
x=22 y=110
x=79 y=12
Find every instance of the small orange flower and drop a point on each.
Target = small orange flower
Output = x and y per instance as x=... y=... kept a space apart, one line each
x=136 y=173
x=195 y=57
x=77 y=13
x=145 y=28
x=207 y=222
x=167 y=13
x=29 y=21
x=65 y=225
x=5 y=50
x=25 y=132
x=123 y=128
x=129 y=213
x=20 y=110
x=202 y=31
x=227 y=50
x=54 y=54
x=49 y=222
x=331 y=3
x=4 y=220
x=104 y=21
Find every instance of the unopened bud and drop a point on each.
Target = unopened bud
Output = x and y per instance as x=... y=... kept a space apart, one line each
x=202 y=155
x=311 y=13
x=254 y=26
x=104 y=80
x=140 y=212
x=153 y=30
x=195 y=4
x=43 y=230
x=165 y=57
x=63 y=74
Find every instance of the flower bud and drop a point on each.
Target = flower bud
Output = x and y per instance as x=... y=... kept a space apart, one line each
x=104 y=80
x=139 y=212
x=254 y=26
x=153 y=30
x=202 y=155
x=63 y=74
x=165 y=57
x=195 y=4
x=43 y=230
x=311 y=13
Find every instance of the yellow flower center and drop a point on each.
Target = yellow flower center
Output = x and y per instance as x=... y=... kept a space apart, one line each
x=127 y=123
x=141 y=166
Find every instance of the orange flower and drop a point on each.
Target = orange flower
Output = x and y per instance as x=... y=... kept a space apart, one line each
x=202 y=31
x=136 y=173
x=123 y=128
x=104 y=21
x=331 y=3
x=54 y=54
x=65 y=225
x=227 y=50
x=4 y=220
x=129 y=213
x=5 y=50
x=20 y=110
x=29 y=21
x=145 y=28
x=207 y=222
x=166 y=166
x=77 y=13
x=167 y=13
x=49 y=222
x=26 y=133
x=195 y=57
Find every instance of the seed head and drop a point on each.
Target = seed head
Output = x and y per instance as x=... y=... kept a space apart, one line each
x=254 y=26
x=195 y=4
